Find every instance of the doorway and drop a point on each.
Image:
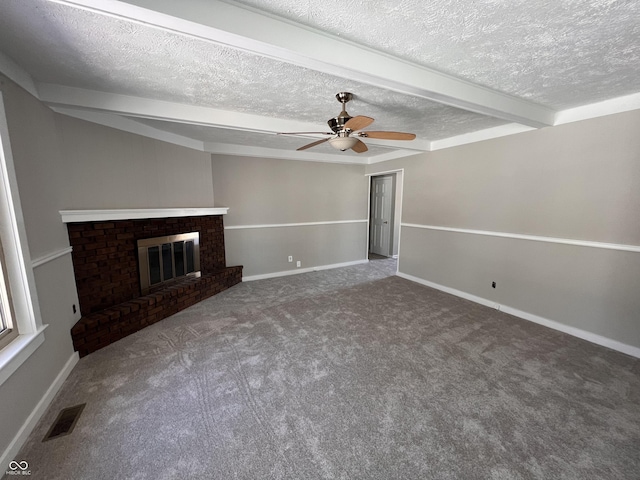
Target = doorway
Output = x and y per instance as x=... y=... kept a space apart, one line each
x=382 y=215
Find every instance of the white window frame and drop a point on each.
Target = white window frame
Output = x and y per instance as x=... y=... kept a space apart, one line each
x=21 y=292
x=8 y=331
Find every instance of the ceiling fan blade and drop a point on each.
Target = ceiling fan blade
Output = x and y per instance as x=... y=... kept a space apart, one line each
x=313 y=144
x=305 y=133
x=358 y=123
x=388 y=135
x=359 y=147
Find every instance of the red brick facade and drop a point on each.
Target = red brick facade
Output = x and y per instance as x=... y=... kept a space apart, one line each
x=105 y=262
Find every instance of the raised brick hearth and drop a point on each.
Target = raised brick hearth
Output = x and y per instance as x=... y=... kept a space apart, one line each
x=106 y=269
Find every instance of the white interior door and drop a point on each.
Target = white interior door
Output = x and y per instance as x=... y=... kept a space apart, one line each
x=381 y=222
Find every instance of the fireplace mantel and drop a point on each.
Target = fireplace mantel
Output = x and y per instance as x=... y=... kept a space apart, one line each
x=74 y=216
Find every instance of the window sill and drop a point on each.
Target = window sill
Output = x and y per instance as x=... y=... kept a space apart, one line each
x=18 y=351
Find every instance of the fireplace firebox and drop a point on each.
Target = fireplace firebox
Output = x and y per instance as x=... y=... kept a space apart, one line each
x=164 y=259
x=181 y=257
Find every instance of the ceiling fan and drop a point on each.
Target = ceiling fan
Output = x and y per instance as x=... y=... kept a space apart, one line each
x=346 y=130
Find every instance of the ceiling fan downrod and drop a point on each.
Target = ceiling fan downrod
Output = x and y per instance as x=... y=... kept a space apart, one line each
x=337 y=123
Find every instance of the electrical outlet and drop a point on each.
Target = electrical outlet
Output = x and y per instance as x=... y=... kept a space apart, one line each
x=290 y=259
x=298 y=264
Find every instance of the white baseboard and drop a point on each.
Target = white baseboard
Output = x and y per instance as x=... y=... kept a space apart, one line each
x=284 y=273
x=21 y=437
x=576 y=332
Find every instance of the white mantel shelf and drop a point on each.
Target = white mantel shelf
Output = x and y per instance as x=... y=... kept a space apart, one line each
x=76 y=216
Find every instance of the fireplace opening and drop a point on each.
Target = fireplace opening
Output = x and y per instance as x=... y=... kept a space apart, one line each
x=164 y=259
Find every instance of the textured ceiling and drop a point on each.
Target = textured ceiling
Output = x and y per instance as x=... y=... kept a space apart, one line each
x=555 y=53
x=561 y=53
x=67 y=47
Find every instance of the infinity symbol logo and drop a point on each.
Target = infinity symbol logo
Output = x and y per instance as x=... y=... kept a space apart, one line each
x=18 y=465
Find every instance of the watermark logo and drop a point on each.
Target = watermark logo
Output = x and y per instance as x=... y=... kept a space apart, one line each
x=18 y=468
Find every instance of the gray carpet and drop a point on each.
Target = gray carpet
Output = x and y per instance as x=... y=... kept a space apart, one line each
x=346 y=374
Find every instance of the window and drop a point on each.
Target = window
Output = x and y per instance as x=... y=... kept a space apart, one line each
x=8 y=330
x=21 y=328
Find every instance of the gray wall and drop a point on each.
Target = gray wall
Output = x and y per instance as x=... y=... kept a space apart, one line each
x=263 y=191
x=575 y=181
x=64 y=163
x=73 y=164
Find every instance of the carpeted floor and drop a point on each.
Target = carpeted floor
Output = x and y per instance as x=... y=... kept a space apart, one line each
x=350 y=373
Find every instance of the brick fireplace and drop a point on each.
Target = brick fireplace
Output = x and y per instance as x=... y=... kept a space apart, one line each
x=108 y=279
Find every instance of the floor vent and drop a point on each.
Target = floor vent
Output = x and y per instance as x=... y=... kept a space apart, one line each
x=64 y=423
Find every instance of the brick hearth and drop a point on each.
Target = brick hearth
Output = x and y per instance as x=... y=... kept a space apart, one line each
x=107 y=278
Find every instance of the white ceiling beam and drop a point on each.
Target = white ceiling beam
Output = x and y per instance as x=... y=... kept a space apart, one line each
x=263 y=152
x=338 y=157
x=392 y=156
x=127 y=125
x=248 y=30
x=63 y=96
x=107 y=108
x=479 y=136
x=17 y=74
x=599 y=109
x=416 y=145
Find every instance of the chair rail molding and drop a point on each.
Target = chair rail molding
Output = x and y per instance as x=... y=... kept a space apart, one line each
x=535 y=238
x=286 y=225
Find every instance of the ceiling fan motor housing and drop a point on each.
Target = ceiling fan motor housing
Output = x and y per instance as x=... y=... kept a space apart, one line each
x=337 y=123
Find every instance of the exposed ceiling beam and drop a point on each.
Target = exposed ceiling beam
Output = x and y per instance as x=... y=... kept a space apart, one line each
x=127 y=125
x=416 y=145
x=17 y=74
x=63 y=96
x=73 y=101
x=241 y=28
x=262 y=152
x=599 y=109
x=479 y=136
x=392 y=156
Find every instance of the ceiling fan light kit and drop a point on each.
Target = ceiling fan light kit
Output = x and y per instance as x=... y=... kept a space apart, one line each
x=343 y=143
x=344 y=125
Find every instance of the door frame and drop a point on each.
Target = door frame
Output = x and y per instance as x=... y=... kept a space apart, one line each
x=397 y=217
x=382 y=246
